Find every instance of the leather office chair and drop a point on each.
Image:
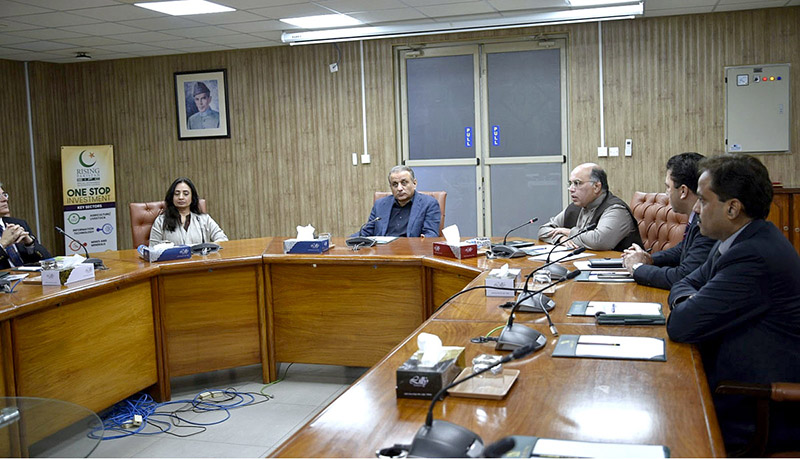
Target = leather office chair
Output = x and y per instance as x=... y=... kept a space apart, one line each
x=440 y=196
x=659 y=226
x=765 y=394
x=143 y=214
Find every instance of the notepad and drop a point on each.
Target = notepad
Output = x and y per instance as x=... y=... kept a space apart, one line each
x=605 y=276
x=611 y=347
x=591 y=308
x=525 y=446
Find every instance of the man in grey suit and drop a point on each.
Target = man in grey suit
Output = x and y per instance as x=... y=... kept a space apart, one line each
x=666 y=267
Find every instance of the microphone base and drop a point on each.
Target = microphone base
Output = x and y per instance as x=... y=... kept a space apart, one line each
x=98 y=263
x=536 y=303
x=505 y=251
x=445 y=439
x=360 y=241
x=557 y=271
x=515 y=336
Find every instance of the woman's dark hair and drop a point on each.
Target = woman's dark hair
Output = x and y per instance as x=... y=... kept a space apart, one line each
x=171 y=216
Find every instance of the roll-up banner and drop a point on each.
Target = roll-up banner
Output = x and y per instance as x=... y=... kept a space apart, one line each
x=90 y=208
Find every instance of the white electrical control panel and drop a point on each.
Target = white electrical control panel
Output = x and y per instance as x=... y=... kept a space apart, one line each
x=757 y=108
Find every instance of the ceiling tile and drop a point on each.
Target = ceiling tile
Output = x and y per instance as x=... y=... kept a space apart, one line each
x=665 y=4
x=48 y=34
x=433 y=2
x=144 y=37
x=8 y=39
x=40 y=45
x=504 y=5
x=118 y=13
x=353 y=6
x=678 y=11
x=259 y=26
x=162 y=23
x=8 y=9
x=226 y=18
x=464 y=8
x=203 y=31
x=274 y=35
x=403 y=14
x=750 y=5
x=292 y=11
x=104 y=28
x=231 y=39
x=252 y=4
x=90 y=41
x=57 y=19
x=258 y=44
x=64 y=5
x=128 y=47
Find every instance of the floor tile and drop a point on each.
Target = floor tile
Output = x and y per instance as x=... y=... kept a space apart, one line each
x=169 y=447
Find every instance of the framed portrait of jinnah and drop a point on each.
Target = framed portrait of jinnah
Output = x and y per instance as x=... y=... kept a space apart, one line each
x=202 y=104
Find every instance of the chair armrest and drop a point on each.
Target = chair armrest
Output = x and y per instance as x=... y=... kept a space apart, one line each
x=779 y=391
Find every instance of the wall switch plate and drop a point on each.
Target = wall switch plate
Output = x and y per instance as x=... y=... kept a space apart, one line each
x=628 y=147
x=613 y=151
x=334 y=67
x=355 y=159
x=365 y=158
x=602 y=151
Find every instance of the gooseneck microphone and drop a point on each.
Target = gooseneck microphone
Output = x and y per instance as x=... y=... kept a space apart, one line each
x=514 y=336
x=539 y=302
x=98 y=263
x=504 y=251
x=557 y=270
x=360 y=240
x=445 y=439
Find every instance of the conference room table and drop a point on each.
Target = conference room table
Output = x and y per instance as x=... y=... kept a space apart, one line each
x=583 y=399
x=138 y=324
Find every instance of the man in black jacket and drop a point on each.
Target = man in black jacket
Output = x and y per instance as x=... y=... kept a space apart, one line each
x=742 y=306
x=18 y=245
x=666 y=267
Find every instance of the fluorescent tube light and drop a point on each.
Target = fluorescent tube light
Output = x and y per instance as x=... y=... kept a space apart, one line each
x=596 y=2
x=322 y=21
x=185 y=7
x=608 y=13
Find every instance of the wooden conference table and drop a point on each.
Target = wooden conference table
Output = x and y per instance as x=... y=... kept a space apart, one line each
x=138 y=324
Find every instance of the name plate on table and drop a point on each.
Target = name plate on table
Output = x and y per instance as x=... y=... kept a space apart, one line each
x=313 y=246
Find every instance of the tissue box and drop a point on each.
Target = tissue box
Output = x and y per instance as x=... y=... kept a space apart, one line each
x=66 y=276
x=177 y=252
x=318 y=245
x=508 y=281
x=416 y=381
x=462 y=250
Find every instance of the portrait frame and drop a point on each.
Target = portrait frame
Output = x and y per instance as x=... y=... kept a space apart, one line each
x=196 y=89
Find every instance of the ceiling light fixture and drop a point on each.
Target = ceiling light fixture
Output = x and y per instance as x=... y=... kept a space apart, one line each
x=322 y=21
x=83 y=56
x=570 y=16
x=185 y=7
x=583 y=3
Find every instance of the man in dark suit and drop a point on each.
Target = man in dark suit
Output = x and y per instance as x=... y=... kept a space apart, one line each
x=406 y=213
x=18 y=245
x=742 y=306
x=666 y=267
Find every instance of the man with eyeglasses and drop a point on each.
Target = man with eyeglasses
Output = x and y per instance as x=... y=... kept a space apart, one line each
x=592 y=202
x=18 y=245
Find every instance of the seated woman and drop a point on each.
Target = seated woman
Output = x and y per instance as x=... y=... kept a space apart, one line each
x=182 y=222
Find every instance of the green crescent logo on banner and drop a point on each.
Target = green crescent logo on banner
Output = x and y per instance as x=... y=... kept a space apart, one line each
x=80 y=159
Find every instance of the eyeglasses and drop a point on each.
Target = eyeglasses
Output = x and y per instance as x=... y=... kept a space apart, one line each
x=4 y=195
x=578 y=183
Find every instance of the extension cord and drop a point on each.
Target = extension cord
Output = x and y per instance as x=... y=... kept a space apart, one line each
x=210 y=394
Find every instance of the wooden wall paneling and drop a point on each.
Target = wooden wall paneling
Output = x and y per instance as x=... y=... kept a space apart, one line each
x=7 y=383
x=16 y=175
x=295 y=125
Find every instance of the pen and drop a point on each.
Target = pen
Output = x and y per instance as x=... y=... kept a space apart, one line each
x=601 y=344
x=649 y=250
